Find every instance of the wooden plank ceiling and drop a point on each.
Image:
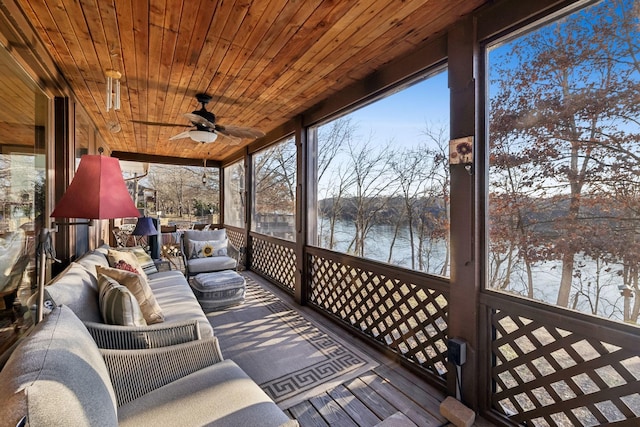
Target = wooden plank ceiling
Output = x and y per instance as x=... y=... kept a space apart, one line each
x=263 y=61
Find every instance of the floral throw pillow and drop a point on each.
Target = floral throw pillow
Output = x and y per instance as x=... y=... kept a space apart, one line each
x=123 y=265
x=208 y=248
x=115 y=256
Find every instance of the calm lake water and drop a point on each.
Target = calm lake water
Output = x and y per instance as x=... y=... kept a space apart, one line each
x=596 y=285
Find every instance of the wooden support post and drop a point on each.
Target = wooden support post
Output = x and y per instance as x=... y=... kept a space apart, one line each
x=248 y=202
x=63 y=155
x=302 y=192
x=465 y=288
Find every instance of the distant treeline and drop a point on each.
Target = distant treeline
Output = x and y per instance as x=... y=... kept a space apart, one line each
x=382 y=210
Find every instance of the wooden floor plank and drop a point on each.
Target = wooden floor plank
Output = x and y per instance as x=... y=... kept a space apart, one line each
x=357 y=410
x=307 y=415
x=388 y=389
x=333 y=414
x=411 y=409
x=376 y=403
x=428 y=398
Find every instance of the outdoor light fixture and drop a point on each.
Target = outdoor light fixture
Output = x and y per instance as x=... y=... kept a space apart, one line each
x=204 y=173
x=97 y=191
x=113 y=89
x=202 y=136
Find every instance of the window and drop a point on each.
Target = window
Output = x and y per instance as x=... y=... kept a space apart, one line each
x=178 y=195
x=234 y=195
x=383 y=179
x=23 y=190
x=274 y=185
x=564 y=177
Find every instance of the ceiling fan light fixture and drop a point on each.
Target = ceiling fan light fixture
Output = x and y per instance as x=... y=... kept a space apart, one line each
x=202 y=136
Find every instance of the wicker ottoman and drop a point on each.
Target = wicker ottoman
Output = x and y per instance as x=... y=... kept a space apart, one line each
x=218 y=289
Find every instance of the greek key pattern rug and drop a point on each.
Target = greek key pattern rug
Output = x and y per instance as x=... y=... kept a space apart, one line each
x=291 y=359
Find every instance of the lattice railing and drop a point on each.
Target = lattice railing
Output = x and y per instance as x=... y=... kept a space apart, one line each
x=408 y=318
x=275 y=260
x=553 y=371
x=237 y=239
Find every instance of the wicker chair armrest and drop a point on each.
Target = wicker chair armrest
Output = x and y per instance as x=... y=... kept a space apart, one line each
x=184 y=254
x=237 y=253
x=135 y=373
x=141 y=337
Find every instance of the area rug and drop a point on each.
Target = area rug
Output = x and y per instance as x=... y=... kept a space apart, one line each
x=291 y=359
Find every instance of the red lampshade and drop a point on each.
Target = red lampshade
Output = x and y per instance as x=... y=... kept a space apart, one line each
x=97 y=191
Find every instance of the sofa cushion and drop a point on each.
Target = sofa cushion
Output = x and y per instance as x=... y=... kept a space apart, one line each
x=57 y=376
x=118 y=306
x=178 y=303
x=202 y=265
x=77 y=288
x=139 y=287
x=92 y=258
x=220 y=395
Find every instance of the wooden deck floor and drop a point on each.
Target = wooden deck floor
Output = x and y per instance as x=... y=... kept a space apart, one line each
x=372 y=397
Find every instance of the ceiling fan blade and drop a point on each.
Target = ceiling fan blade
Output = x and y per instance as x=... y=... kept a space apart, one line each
x=227 y=139
x=143 y=122
x=196 y=119
x=240 y=132
x=181 y=135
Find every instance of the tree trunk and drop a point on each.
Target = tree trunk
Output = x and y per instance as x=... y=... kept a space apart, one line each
x=566 y=279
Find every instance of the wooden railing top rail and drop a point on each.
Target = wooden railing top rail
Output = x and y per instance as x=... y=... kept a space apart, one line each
x=403 y=274
x=616 y=333
x=274 y=240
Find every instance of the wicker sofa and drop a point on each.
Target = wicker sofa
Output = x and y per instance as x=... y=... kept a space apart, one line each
x=58 y=376
x=72 y=369
x=184 y=320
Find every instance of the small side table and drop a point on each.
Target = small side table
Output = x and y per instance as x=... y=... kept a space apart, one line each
x=162 y=264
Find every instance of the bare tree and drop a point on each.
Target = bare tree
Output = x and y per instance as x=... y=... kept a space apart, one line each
x=332 y=139
x=372 y=181
x=567 y=95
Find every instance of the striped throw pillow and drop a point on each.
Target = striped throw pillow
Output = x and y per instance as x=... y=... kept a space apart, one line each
x=118 y=306
x=144 y=259
x=138 y=286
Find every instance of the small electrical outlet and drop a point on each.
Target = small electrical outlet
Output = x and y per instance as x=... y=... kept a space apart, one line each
x=457 y=351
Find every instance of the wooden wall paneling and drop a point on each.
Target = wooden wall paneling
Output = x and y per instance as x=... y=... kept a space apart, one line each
x=193 y=15
x=264 y=63
x=142 y=52
x=285 y=54
x=289 y=23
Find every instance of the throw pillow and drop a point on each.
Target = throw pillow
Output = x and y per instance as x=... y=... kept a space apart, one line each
x=138 y=286
x=117 y=305
x=208 y=248
x=121 y=265
x=144 y=259
x=114 y=256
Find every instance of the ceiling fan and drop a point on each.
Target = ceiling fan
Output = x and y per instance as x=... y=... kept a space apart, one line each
x=205 y=129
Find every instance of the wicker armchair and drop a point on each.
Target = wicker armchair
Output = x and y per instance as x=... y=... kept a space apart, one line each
x=194 y=265
x=143 y=337
x=154 y=368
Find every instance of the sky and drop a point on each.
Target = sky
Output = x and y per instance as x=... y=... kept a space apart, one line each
x=401 y=117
